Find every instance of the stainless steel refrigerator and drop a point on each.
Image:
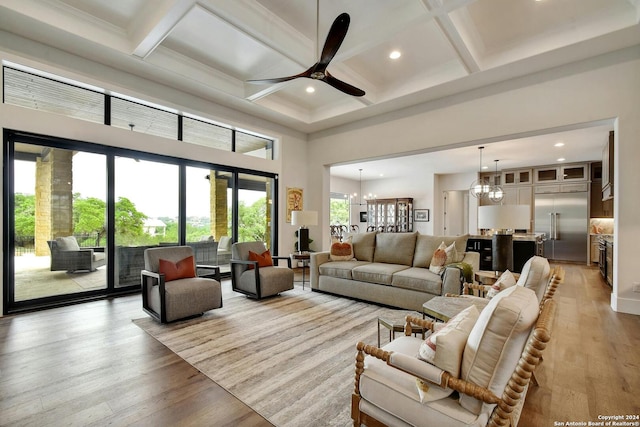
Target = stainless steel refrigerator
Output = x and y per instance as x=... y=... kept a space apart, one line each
x=563 y=218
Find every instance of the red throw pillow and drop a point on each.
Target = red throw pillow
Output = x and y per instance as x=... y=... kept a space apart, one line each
x=264 y=259
x=182 y=269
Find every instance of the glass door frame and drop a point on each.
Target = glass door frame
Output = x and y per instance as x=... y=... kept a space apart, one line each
x=10 y=137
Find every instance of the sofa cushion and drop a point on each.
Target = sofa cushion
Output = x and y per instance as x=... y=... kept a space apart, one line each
x=426 y=245
x=339 y=269
x=395 y=248
x=341 y=251
x=496 y=342
x=380 y=273
x=418 y=279
x=364 y=245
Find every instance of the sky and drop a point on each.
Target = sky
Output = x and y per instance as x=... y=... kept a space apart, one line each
x=151 y=186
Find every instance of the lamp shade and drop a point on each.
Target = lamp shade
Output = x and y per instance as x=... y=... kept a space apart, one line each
x=504 y=217
x=304 y=218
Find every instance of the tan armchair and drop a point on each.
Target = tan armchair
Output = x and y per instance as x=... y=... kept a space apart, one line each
x=249 y=278
x=502 y=350
x=169 y=300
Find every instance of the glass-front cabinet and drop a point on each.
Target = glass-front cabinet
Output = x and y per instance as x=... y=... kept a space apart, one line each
x=390 y=215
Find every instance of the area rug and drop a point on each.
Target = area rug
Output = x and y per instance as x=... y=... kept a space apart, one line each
x=290 y=358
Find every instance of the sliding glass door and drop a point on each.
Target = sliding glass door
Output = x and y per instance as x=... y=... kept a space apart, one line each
x=146 y=213
x=79 y=216
x=59 y=217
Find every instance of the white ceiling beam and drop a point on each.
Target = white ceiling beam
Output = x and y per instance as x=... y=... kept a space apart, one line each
x=154 y=24
x=452 y=34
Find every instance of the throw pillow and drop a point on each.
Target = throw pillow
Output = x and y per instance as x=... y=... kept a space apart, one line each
x=439 y=259
x=67 y=243
x=452 y=254
x=505 y=281
x=444 y=348
x=182 y=269
x=341 y=251
x=264 y=259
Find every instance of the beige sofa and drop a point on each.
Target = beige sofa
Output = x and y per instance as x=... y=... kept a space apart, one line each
x=391 y=269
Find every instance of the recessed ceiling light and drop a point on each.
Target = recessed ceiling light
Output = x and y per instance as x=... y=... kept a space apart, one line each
x=561 y=159
x=485 y=167
x=395 y=54
x=311 y=89
x=381 y=174
x=559 y=144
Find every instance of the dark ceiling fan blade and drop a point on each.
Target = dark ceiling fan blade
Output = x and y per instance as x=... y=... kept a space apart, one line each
x=306 y=73
x=342 y=86
x=337 y=33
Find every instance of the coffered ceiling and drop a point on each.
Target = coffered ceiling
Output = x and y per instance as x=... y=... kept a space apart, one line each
x=210 y=48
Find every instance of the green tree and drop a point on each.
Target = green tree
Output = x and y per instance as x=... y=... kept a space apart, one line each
x=25 y=214
x=129 y=221
x=339 y=211
x=89 y=216
x=252 y=221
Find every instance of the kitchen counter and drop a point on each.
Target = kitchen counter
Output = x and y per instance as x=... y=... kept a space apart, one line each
x=525 y=237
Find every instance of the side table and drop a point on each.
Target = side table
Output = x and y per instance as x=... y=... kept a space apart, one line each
x=444 y=308
x=396 y=326
x=304 y=257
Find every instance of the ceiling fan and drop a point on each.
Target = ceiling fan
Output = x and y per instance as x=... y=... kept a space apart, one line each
x=318 y=71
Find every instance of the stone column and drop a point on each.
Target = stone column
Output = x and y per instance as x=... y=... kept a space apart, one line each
x=54 y=197
x=219 y=207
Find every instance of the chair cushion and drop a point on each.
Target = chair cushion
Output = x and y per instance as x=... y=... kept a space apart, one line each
x=395 y=392
x=444 y=348
x=273 y=280
x=183 y=269
x=186 y=297
x=68 y=243
x=535 y=275
x=496 y=342
x=264 y=259
x=99 y=256
x=395 y=248
x=341 y=251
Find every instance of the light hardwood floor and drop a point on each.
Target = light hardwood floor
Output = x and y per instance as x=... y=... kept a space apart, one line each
x=88 y=364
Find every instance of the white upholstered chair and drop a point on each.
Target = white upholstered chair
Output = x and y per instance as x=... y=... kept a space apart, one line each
x=169 y=300
x=502 y=350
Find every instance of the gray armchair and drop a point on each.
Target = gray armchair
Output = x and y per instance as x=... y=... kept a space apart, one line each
x=67 y=256
x=258 y=282
x=167 y=301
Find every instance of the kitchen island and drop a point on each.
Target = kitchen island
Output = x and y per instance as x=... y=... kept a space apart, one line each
x=525 y=245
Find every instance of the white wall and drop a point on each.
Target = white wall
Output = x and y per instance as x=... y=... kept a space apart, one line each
x=600 y=88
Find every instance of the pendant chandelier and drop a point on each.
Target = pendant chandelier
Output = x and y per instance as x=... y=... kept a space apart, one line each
x=496 y=194
x=480 y=187
x=354 y=196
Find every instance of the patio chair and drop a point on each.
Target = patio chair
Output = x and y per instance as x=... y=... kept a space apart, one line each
x=67 y=255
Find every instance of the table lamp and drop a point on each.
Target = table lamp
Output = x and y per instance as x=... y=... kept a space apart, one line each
x=304 y=219
x=504 y=219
